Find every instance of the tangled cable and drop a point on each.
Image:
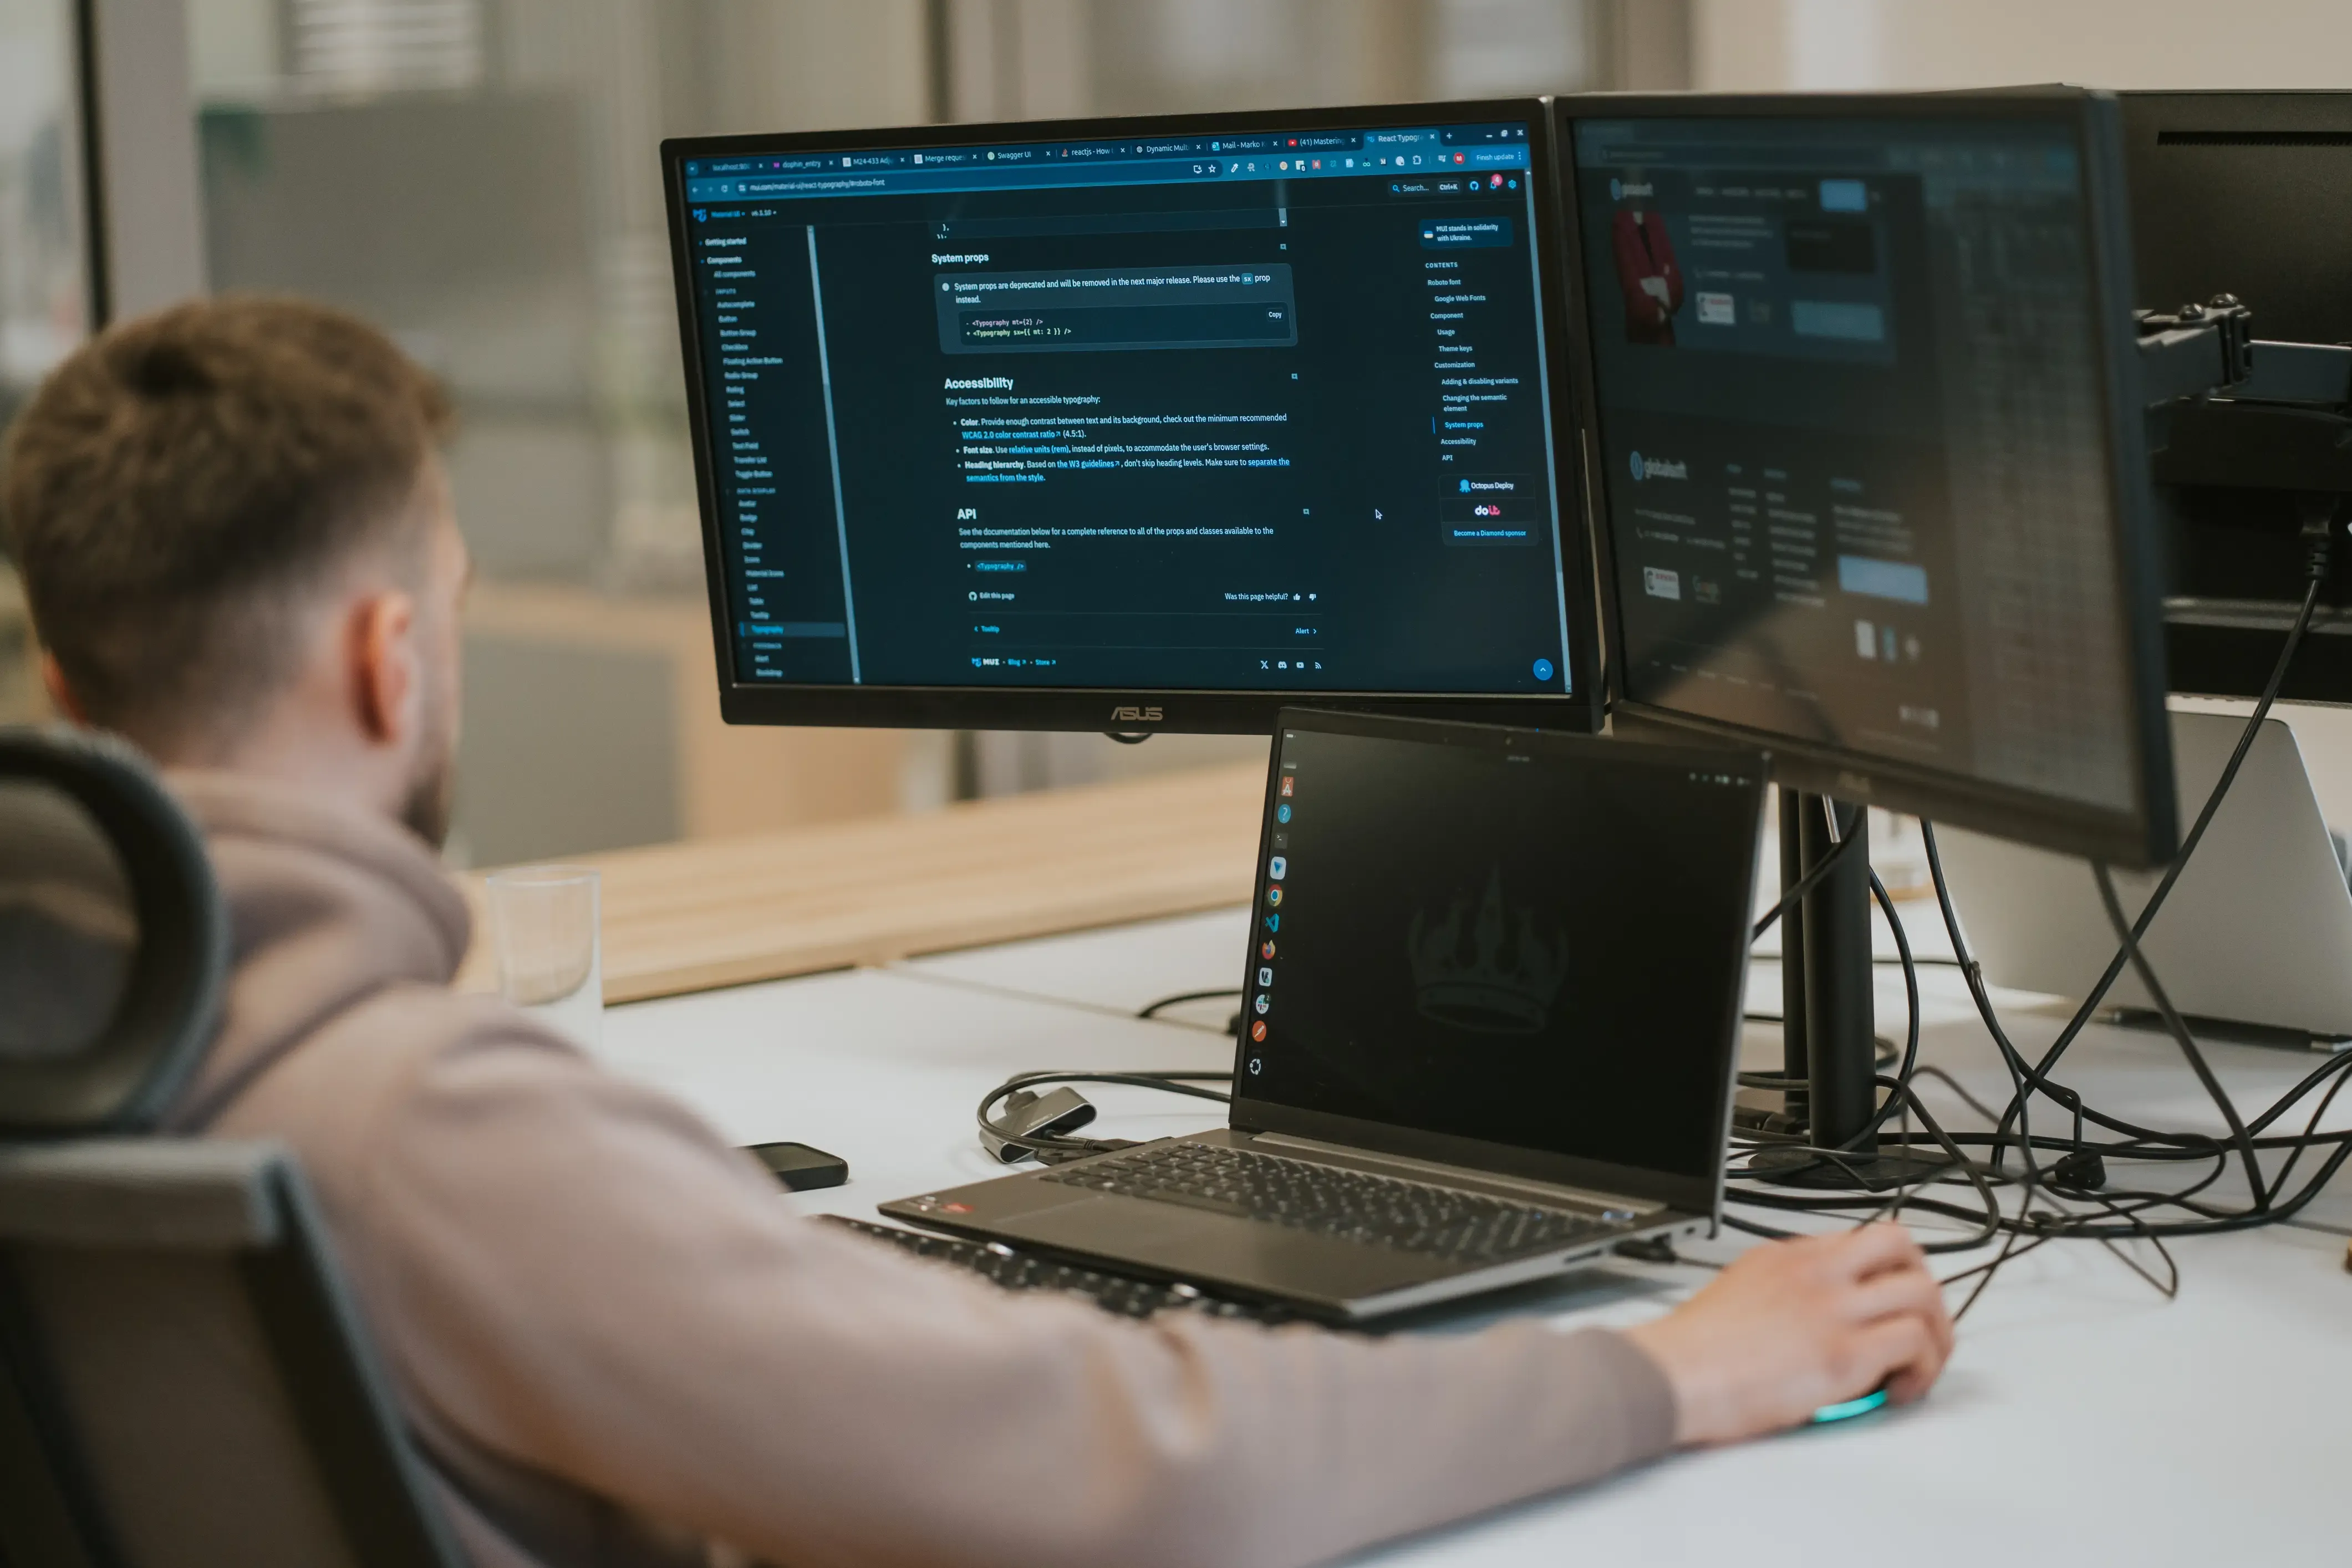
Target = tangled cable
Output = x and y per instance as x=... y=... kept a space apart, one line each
x=2070 y=1197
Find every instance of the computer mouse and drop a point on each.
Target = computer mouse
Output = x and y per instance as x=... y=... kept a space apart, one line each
x=1847 y=1409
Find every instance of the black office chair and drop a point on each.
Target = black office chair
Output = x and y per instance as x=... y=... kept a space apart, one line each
x=182 y=1380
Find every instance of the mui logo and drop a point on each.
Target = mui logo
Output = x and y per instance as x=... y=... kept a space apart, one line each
x=1637 y=468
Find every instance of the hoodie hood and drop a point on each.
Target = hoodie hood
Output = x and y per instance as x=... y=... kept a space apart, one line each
x=327 y=905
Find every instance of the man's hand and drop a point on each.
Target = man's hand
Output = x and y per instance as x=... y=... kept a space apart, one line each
x=1655 y=287
x=1799 y=1324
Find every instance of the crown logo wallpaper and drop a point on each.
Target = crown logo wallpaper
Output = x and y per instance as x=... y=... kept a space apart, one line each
x=1495 y=973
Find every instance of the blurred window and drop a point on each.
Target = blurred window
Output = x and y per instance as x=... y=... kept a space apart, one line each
x=482 y=179
x=44 y=264
x=1185 y=56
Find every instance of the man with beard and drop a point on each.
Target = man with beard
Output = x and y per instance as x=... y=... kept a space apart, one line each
x=612 y=1342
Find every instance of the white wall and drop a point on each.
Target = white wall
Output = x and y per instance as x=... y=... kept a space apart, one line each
x=1771 y=45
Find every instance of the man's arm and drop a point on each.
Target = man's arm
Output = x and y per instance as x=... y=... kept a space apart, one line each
x=575 y=1273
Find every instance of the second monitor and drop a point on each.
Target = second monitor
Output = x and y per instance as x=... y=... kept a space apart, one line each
x=1862 y=405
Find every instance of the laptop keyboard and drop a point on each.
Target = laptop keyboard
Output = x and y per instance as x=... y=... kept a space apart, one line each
x=1016 y=1270
x=1353 y=1205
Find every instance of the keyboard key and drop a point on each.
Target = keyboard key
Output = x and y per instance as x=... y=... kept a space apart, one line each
x=1017 y=1270
x=1353 y=1205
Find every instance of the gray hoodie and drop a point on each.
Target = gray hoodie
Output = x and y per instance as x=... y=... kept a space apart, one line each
x=614 y=1345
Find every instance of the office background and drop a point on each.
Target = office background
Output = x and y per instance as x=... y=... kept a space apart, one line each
x=480 y=177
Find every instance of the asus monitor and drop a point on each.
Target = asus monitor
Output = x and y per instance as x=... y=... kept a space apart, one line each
x=1137 y=424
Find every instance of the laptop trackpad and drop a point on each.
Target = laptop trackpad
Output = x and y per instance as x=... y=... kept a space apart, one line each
x=1128 y=1229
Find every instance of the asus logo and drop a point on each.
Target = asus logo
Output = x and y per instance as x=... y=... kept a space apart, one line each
x=1129 y=715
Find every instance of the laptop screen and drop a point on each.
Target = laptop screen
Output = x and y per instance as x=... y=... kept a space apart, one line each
x=1518 y=951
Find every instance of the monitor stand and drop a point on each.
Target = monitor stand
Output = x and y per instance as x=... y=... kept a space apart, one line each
x=1829 y=1044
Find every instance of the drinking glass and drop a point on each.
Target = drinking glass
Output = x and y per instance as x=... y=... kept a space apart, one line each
x=548 y=922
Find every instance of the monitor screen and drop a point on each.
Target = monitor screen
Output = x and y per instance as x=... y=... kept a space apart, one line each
x=1122 y=418
x=1866 y=494
x=1523 y=941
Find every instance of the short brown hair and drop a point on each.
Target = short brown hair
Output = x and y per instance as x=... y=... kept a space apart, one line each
x=175 y=484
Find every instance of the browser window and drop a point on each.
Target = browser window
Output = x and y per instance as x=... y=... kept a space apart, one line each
x=1262 y=412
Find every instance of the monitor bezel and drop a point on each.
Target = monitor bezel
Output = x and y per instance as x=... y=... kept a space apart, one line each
x=1698 y=1194
x=1147 y=709
x=2145 y=834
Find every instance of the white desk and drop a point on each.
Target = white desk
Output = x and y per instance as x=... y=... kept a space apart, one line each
x=2133 y=1073
x=2084 y=1419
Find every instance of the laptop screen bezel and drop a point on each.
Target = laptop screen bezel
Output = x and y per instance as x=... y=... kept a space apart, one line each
x=1701 y=1194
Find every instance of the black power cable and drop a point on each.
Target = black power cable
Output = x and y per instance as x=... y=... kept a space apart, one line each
x=2054 y=1203
x=2317 y=536
x=1153 y=1009
x=2179 y=1028
x=2296 y=1154
x=1805 y=884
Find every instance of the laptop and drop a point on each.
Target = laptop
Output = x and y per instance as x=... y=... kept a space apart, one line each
x=2254 y=940
x=1490 y=1022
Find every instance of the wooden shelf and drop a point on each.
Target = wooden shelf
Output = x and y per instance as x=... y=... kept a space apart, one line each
x=725 y=911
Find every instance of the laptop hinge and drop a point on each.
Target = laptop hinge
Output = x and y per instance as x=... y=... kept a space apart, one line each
x=1452 y=1175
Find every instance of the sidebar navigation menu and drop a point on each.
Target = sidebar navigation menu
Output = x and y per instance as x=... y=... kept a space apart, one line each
x=773 y=447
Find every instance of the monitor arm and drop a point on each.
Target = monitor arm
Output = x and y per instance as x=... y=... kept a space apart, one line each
x=2196 y=350
x=2230 y=411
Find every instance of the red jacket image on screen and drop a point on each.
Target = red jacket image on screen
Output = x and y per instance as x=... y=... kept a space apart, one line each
x=1646 y=270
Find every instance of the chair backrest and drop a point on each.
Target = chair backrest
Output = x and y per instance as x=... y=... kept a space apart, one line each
x=184 y=1381
x=189 y=1385
x=114 y=945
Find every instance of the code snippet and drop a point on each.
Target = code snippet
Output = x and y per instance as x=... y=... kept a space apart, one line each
x=1118 y=308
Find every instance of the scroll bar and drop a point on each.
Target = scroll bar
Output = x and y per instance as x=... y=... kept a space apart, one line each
x=833 y=451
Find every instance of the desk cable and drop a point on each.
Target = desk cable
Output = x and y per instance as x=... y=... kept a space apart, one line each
x=2071 y=1198
x=1044 y=1126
